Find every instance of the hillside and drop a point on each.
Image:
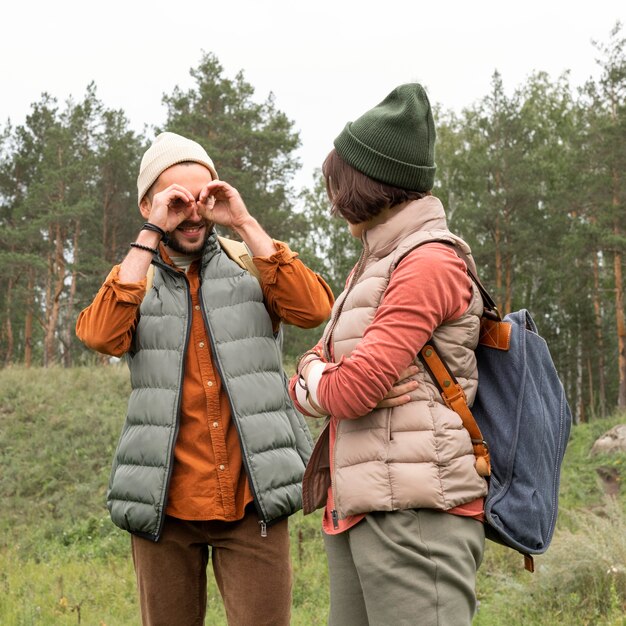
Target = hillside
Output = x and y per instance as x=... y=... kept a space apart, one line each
x=63 y=562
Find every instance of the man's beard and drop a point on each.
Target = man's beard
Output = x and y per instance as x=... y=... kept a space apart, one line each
x=178 y=244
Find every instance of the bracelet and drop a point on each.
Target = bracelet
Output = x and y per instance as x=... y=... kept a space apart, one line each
x=134 y=244
x=303 y=361
x=309 y=355
x=302 y=384
x=165 y=237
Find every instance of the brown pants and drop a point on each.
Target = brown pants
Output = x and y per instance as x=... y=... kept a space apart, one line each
x=253 y=573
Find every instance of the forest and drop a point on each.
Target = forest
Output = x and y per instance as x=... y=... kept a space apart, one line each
x=534 y=178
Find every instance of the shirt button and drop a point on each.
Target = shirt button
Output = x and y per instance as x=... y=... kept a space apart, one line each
x=215 y=424
x=197 y=307
x=201 y=344
x=210 y=383
x=222 y=467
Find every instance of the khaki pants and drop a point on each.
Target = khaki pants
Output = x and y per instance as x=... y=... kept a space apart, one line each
x=253 y=573
x=414 y=567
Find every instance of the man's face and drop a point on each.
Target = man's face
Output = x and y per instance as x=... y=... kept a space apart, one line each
x=191 y=234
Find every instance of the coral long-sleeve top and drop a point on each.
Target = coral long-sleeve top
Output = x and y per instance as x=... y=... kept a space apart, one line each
x=430 y=286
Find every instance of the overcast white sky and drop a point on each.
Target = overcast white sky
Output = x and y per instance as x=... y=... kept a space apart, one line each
x=326 y=61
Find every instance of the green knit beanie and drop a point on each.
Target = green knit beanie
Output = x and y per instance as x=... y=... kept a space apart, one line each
x=394 y=142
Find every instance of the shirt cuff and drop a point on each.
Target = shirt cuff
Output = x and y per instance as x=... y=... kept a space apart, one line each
x=268 y=265
x=314 y=374
x=131 y=293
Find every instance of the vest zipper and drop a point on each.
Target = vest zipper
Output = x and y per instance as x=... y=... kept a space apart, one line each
x=218 y=365
x=327 y=355
x=335 y=318
x=180 y=394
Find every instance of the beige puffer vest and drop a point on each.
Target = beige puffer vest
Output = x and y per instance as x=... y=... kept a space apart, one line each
x=417 y=455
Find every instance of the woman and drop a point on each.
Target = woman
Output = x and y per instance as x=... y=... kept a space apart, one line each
x=394 y=466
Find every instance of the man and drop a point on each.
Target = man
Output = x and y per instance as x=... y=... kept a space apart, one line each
x=212 y=452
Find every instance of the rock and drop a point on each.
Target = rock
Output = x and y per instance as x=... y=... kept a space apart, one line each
x=610 y=477
x=612 y=441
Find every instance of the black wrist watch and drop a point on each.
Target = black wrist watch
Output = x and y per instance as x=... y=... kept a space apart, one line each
x=165 y=237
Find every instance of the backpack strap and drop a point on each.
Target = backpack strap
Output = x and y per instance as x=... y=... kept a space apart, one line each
x=240 y=254
x=489 y=305
x=494 y=332
x=149 y=277
x=237 y=251
x=454 y=397
x=451 y=392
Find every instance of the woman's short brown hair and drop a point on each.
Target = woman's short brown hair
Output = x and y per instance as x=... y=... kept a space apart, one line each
x=357 y=197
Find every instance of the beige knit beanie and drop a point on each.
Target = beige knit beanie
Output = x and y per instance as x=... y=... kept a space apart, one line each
x=169 y=149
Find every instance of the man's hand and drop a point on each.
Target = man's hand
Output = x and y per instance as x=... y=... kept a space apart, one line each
x=397 y=395
x=171 y=207
x=221 y=204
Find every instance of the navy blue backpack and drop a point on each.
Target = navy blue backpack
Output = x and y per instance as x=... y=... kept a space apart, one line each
x=519 y=425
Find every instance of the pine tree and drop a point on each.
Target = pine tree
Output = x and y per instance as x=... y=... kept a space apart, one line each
x=252 y=144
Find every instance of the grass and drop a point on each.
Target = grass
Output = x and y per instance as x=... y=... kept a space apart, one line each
x=63 y=562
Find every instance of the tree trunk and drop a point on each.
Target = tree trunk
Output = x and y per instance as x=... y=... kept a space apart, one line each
x=592 y=400
x=508 y=261
x=28 y=322
x=497 y=237
x=580 y=382
x=508 y=276
x=8 y=325
x=597 y=312
x=621 y=328
x=105 y=228
x=69 y=330
x=619 y=297
x=617 y=271
x=108 y=223
x=57 y=281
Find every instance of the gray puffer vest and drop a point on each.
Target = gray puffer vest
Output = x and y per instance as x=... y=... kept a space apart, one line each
x=275 y=441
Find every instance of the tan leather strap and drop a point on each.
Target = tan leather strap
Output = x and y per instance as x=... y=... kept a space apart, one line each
x=239 y=253
x=149 y=278
x=454 y=397
x=495 y=334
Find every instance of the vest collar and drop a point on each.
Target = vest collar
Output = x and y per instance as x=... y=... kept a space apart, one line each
x=425 y=214
x=211 y=248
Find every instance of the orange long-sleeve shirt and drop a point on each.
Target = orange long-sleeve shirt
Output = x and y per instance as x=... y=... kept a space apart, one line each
x=208 y=479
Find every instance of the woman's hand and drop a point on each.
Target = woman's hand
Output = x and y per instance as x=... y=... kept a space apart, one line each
x=398 y=394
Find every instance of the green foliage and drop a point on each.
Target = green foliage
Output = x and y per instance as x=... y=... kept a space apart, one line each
x=65 y=204
x=532 y=179
x=534 y=182
x=329 y=248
